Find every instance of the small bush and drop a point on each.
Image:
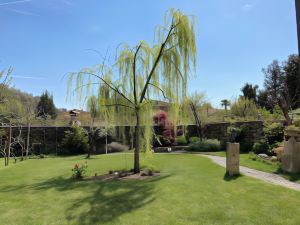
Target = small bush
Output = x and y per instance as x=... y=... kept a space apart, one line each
x=260 y=147
x=116 y=147
x=274 y=133
x=297 y=123
x=194 y=139
x=75 y=141
x=181 y=140
x=79 y=170
x=246 y=146
x=207 y=145
x=241 y=137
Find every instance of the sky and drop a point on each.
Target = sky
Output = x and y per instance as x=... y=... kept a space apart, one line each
x=45 y=39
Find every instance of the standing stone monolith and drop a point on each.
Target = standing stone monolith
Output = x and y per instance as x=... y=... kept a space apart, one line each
x=290 y=161
x=233 y=159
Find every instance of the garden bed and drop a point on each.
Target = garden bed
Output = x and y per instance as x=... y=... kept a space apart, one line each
x=123 y=175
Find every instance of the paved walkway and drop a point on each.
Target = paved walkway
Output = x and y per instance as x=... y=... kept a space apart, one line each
x=267 y=177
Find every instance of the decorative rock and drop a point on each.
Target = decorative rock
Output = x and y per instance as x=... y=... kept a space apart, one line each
x=265 y=156
x=274 y=159
x=233 y=159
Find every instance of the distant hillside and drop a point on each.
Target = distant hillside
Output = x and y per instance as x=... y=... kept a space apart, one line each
x=16 y=100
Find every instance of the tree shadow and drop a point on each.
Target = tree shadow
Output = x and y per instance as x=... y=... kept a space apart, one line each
x=102 y=201
x=228 y=178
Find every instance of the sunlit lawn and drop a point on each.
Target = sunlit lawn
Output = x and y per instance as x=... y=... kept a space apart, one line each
x=190 y=190
x=262 y=165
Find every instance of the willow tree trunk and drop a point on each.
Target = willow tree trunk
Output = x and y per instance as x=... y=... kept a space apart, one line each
x=136 y=144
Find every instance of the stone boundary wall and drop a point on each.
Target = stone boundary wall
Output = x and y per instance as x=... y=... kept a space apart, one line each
x=49 y=137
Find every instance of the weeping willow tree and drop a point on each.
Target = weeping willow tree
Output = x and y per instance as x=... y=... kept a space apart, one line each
x=141 y=74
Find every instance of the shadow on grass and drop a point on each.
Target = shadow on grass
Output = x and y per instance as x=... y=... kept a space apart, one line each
x=98 y=202
x=227 y=177
x=289 y=176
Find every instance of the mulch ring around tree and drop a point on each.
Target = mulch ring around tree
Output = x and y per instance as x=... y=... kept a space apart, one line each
x=123 y=175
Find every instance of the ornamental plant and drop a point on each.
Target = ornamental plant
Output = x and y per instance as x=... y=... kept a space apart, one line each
x=79 y=170
x=164 y=129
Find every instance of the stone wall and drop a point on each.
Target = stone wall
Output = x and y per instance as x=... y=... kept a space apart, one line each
x=219 y=130
x=50 y=137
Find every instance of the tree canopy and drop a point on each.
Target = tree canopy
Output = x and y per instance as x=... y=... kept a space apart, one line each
x=143 y=73
x=46 y=106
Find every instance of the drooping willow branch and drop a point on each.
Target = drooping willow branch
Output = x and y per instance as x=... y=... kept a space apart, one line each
x=115 y=89
x=142 y=74
x=156 y=62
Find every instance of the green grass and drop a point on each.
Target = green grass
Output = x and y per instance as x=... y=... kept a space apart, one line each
x=190 y=190
x=262 y=165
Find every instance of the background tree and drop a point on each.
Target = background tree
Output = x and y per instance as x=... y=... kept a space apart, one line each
x=143 y=72
x=93 y=108
x=225 y=103
x=196 y=101
x=275 y=86
x=46 y=106
x=243 y=107
x=29 y=116
x=263 y=101
x=250 y=91
x=292 y=79
x=5 y=79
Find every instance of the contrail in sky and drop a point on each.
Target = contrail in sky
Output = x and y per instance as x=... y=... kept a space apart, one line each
x=29 y=77
x=14 y=2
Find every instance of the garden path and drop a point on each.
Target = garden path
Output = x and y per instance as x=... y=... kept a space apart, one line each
x=267 y=177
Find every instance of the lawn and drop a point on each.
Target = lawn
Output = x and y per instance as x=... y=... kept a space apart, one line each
x=262 y=165
x=190 y=190
x=245 y=160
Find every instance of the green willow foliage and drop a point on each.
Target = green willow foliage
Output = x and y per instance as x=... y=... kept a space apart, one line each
x=143 y=73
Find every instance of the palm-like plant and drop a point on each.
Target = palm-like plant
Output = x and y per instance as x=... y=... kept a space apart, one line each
x=225 y=103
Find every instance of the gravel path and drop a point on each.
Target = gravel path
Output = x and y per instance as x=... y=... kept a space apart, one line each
x=267 y=177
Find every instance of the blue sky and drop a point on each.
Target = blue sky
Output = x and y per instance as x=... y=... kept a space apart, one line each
x=45 y=39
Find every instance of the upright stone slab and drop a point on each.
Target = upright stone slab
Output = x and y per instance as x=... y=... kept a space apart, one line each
x=233 y=159
x=290 y=161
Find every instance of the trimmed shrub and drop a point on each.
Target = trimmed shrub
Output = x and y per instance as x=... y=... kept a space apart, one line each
x=194 y=139
x=246 y=145
x=274 y=133
x=181 y=140
x=260 y=147
x=206 y=145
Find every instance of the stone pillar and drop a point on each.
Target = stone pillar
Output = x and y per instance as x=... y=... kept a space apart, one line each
x=233 y=159
x=290 y=161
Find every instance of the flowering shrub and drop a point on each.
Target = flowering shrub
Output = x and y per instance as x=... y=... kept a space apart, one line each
x=79 y=170
x=164 y=129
